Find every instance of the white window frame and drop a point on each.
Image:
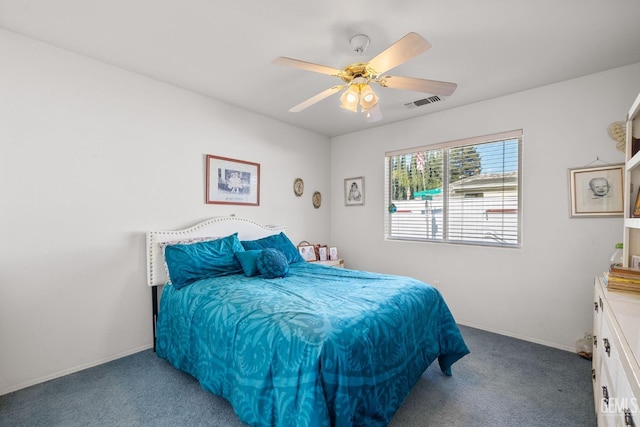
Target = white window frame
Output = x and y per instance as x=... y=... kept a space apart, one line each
x=390 y=227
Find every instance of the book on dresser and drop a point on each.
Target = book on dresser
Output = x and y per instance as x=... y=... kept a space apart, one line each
x=618 y=271
x=623 y=279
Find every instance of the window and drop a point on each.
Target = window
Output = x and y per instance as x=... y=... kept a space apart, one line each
x=457 y=192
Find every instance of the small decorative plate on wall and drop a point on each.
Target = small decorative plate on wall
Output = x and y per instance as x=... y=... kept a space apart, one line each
x=298 y=187
x=317 y=199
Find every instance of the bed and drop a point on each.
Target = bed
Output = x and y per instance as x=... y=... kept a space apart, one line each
x=317 y=346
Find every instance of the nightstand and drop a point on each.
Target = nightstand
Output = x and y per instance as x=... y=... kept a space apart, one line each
x=339 y=263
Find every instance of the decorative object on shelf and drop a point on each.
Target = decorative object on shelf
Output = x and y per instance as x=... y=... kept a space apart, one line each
x=354 y=191
x=596 y=190
x=635 y=137
x=232 y=182
x=333 y=253
x=316 y=199
x=618 y=133
x=636 y=206
x=616 y=257
x=392 y=208
x=298 y=187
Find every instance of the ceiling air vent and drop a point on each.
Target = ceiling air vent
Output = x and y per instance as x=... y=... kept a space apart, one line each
x=424 y=101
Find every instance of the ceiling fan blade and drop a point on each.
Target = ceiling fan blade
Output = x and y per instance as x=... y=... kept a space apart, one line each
x=304 y=65
x=401 y=51
x=317 y=98
x=420 y=85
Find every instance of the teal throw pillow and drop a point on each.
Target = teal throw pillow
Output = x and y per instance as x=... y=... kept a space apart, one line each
x=272 y=263
x=249 y=261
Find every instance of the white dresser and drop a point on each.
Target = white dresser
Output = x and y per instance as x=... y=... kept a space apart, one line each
x=616 y=352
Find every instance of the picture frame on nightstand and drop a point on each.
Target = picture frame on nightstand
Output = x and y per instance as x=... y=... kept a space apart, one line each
x=308 y=253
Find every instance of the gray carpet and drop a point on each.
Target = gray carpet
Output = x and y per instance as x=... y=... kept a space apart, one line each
x=503 y=382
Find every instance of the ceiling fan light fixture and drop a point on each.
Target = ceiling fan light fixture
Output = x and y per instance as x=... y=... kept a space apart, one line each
x=368 y=98
x=350 y=97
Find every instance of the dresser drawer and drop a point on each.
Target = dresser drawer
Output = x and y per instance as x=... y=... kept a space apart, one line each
x=603 y=397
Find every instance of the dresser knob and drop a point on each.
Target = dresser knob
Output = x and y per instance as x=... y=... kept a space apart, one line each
x=607 y=347
x=605 y=395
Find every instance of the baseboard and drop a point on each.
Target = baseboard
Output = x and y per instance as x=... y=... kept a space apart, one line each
x=520 y=337
x=75 y=369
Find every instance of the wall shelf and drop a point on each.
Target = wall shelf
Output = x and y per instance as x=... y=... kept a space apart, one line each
x=631 y=235
x=633 y=162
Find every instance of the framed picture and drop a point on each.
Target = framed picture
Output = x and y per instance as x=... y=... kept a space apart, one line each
x=354 y=191
x=232 y=182
x=597 y=191
x=323 y=253
x=308 y=253
x=333 y=254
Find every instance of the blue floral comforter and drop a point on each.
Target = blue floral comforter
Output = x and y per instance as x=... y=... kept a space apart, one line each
x=321 y=347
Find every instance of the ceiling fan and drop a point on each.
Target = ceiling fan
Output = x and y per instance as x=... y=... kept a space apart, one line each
x=358 y=76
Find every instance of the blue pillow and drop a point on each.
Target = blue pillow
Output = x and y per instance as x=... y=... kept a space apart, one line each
x=272 y=263
x=277 y=241
x=249 y=261
x=188 y=263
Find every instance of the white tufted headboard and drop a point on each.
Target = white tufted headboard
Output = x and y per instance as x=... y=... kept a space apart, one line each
x=214 y=227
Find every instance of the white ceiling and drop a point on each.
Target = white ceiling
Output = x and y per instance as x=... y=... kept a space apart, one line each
x=223 y=49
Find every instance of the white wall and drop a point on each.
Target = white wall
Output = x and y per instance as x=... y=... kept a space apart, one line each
x=93 y=156
x=543 y=292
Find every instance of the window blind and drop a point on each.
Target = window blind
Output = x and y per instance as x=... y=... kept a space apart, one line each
x=465 y=192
